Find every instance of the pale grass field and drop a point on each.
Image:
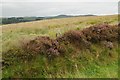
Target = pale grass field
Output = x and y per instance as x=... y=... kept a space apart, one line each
x=64 y=22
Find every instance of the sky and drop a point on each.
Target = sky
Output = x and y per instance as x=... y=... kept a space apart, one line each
x=17 y=8
x=59 y=0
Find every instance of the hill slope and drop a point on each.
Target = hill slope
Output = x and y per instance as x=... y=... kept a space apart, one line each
x=77 y=51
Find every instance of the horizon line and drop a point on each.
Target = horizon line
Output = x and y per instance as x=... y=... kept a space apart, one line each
x=63 y=14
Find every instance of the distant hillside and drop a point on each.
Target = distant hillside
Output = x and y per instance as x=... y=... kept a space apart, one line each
x=67 y=16
x=60 y=16
x=19 y=19
x=28 y=19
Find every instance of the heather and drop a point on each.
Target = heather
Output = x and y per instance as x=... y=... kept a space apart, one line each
x=82 y=50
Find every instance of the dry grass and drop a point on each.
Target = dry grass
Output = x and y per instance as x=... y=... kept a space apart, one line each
x=65 y=22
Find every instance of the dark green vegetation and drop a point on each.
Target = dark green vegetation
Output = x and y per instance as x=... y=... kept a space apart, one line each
x=20 y=19
x=91 y=52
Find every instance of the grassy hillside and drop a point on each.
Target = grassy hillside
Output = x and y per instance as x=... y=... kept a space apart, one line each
x=22 y=57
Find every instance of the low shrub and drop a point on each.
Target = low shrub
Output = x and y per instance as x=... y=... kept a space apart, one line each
x=92 y=35
x=77 y=38
x=81 y=39
x=44 y=46
x=101 y=32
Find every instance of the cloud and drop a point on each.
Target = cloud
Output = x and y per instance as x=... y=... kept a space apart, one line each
x=60 y=0
x=55 y=8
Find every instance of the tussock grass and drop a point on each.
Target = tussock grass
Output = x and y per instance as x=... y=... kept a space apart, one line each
x=21 y=59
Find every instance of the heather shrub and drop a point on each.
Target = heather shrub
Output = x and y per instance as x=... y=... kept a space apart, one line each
x=91 y=35
x=101 y=32
x=51 y=48
x=77 y=38
x=45 y=46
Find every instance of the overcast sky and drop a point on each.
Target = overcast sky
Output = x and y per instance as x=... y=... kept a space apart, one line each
x=51 y=8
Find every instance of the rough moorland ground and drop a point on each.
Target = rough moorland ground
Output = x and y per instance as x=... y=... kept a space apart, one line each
x=85 y=47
